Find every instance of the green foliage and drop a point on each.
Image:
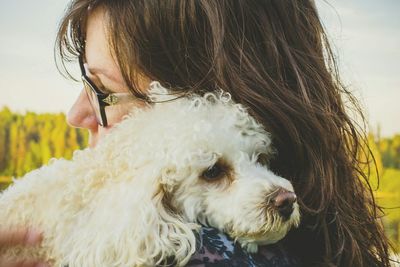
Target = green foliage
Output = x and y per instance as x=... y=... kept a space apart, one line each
x=28 y=141
x=390 y=151
x=378 y=161
x=389 y=198
x=387 y=155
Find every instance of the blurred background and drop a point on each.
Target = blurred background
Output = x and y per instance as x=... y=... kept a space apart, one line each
x=34 y=97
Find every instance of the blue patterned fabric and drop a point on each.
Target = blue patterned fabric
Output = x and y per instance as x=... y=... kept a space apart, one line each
x=215 y=249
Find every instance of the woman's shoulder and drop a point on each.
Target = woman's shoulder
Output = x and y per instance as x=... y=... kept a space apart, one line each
x=215 y=249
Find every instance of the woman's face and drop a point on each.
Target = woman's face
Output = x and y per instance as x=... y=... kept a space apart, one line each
x=105 y=73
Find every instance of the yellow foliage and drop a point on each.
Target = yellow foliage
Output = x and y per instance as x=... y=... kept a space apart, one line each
x=28 y=141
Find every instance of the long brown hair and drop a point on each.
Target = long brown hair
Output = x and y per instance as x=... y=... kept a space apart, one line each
x=274 y=57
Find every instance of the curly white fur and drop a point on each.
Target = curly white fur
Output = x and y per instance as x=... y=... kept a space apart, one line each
x=136 y=199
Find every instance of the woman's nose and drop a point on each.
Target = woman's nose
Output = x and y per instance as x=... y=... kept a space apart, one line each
x=81 y=114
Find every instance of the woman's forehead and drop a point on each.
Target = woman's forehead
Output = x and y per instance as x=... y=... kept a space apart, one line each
x=97 y=50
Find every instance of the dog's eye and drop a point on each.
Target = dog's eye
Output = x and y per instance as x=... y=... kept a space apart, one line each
x=213 y=173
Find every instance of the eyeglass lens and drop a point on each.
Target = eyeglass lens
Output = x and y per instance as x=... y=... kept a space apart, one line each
x=93 y=101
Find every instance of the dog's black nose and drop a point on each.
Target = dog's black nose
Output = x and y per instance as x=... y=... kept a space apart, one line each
x=283 y=202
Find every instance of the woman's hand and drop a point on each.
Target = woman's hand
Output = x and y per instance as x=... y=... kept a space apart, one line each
x=24 y=237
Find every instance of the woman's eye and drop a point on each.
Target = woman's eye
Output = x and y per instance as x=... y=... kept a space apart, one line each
x=213 y=173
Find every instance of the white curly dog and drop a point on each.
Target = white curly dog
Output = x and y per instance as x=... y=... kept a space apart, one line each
x=139 y=196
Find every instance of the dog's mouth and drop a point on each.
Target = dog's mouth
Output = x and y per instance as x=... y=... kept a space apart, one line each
x=279 y=212
x=274 y=228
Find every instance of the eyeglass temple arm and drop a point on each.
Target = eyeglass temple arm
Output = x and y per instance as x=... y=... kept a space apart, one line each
x=81 y=65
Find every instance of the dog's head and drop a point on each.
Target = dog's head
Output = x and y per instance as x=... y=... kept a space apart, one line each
x=215 y=169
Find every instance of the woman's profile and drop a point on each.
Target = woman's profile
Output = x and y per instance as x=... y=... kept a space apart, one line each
x=272 y=56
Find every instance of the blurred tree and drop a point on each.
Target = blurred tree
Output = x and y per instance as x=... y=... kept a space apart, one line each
x=5 y=120
x=390 y=150
x=29 y=141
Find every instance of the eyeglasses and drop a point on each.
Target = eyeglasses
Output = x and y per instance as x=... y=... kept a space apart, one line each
x=99 y=100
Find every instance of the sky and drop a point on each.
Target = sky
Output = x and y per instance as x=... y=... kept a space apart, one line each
x=365 y=35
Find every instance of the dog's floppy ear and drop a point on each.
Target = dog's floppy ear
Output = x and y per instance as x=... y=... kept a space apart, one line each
x=164 y=234
x=176 y=236
x=138 y=227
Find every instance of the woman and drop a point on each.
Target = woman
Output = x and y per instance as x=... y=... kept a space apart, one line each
x=272 y=56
